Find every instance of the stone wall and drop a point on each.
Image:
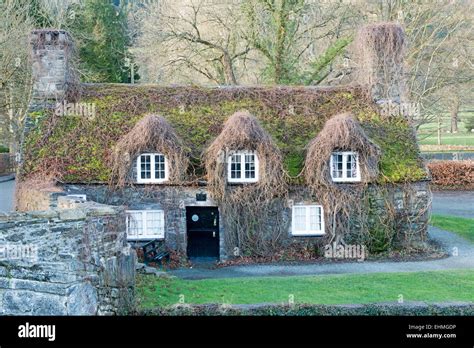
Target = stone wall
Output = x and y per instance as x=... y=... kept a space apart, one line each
x=71 y=261
x=53 y=73
x=410 y=204
x=7 y=163
x=28 y=197
x=172 y=199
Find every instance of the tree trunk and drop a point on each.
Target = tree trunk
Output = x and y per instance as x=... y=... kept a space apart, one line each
x=454 y=116
x=439 y=130
x=228 y=69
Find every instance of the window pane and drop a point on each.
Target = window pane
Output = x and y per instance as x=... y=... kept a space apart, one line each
x=349 y=162
x=337 y=165
x=159 y=166
x=145 y=167
x=250 y=166
x=315 y=218
x=354 y=173
x=300 y=218
x=135 y=224
x=155 y=223
x=235 y=167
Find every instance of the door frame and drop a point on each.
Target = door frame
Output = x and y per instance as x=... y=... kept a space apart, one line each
x=219 y=226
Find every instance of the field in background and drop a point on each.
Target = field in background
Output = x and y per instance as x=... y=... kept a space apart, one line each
x=428 y=133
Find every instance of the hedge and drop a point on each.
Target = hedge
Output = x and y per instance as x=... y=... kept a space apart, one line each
x=452 y=174
x=408 y=308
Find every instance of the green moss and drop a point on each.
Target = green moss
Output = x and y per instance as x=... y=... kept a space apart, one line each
x=80 y=148
x=400 y=159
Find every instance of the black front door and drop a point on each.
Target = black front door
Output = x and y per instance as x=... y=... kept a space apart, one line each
x=202 y=225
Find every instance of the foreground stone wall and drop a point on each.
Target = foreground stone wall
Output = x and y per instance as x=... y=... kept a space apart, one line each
x=31 y=198
x=73 y=261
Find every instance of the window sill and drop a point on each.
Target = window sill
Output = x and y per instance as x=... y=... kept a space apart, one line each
x=133 y=239
x=346 y=181
x=320 y=234
x=241 y=182
x=152 y=182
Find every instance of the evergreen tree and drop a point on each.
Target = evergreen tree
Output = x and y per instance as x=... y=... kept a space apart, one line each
x=101 y=34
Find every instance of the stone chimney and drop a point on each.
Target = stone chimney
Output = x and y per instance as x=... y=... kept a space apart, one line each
x=379 y=52
x=53 y=75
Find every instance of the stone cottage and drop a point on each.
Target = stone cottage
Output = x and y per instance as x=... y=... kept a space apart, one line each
x=230 y=171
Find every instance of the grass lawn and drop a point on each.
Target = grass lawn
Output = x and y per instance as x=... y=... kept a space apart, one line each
x=428 y=133
x=324 y=289
x=459 y=225
x=448 y=139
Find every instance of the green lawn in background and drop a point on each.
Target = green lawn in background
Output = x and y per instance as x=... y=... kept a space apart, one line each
x=461 y=226
x=324 y=289
x=449 y=139
x=427 y=134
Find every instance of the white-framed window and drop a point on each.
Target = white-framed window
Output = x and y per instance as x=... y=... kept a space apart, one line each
x=307 y=220
x=152 y=168
x=345 y=166
x=242 y=167
x=145 y=224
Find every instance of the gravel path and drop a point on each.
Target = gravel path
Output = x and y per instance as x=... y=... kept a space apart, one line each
x=461 y=257
x=7 y=190
x=457 y=203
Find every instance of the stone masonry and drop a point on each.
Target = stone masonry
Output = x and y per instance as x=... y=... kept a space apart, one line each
x=410 y=206
x=51 y=62
x=71 y=260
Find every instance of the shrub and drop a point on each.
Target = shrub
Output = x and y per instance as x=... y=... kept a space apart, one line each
x=4 y=149
x=469 y=123
x=411 y=309
x=452 y=174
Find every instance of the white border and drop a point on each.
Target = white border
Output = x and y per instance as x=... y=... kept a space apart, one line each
x=145 y=236
x=152 y=180
x=344 y=178
x=306 y=233
x=242 y=179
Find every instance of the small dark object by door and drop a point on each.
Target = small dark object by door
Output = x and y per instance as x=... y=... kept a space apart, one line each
x=201 y=197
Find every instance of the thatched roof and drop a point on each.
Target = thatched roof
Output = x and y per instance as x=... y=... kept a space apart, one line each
x=151 y=134
x=81 y=150
x=242 y=131
x=341 y=132
x=382 y=40
x=379 y=50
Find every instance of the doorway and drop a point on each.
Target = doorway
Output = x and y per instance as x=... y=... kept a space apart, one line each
x=202 y=225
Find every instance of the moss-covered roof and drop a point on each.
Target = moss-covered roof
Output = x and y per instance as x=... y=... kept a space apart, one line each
x=79 y=149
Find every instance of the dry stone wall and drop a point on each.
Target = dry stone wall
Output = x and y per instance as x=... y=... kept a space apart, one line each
x=72 y=261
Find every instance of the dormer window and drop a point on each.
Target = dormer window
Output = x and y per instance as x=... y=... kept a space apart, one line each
x=152 y=168
x=345 y=167
x=242 y=167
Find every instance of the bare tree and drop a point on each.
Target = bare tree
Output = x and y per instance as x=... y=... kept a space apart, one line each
x=439 y=34
x=180 y=41
x=17 y=19
x=14 y=71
